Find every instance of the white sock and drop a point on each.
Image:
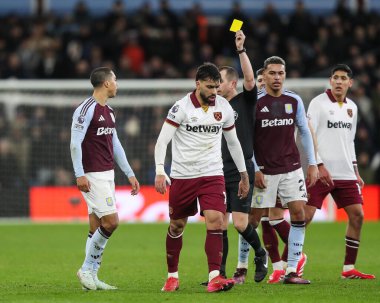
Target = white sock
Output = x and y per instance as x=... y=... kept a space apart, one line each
x=290 y=269
x=95 y=250
x=295 y=243
x=277 y=265
x=242 y=265
x=173 y=274
x=348 y=267
x=243 y=251
x=213 y=274
x=88 y=242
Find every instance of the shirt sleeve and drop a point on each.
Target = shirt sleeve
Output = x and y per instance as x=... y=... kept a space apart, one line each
x=79 y=126
x=120 y=156
x=167 y=133
x=250 y=95
x=353 y=133
x=235 y=149
x=230 y=118
x=305 y=134
x=176 y=115
x=313 y=116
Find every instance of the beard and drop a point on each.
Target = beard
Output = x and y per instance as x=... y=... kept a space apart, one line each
x=205 y=99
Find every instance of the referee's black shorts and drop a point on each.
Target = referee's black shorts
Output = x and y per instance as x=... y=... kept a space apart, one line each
x=233 y=202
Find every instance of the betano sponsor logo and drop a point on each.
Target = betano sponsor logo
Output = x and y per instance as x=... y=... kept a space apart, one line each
x=105 y=131
x=276 y=122
x=203 y=128
x=339 y=124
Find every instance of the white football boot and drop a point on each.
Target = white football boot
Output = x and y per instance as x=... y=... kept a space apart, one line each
x=86 y=279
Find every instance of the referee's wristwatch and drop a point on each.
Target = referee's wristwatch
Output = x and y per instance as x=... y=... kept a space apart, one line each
x=240 y=51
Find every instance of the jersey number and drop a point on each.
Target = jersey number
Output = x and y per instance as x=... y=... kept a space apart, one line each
x=302 y=182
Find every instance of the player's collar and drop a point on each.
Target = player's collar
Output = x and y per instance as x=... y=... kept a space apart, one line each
x=195 y=101
x=332 y=98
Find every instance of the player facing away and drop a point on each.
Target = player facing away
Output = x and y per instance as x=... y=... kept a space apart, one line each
x=243 y=105
x=277 y=160
x=334 y=118
x=195 y=125
x=94 y=149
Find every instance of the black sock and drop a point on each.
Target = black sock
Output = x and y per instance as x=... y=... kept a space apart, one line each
x=225 y=253
x=250 y=235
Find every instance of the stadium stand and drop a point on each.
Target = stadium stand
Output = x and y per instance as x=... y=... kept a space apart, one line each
x=164 y=40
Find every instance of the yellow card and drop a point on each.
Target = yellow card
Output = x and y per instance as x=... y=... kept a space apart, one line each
x=236 y=25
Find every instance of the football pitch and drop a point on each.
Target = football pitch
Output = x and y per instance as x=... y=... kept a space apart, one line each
x=38 y=263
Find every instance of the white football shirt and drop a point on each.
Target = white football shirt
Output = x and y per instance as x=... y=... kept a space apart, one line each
x=196 y=145
x=335 y=127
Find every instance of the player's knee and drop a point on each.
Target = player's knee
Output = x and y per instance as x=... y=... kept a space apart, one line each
x=240 y=226
x=176 y=228
x=110 y=223
x=297 y=214
x=357 y=218
x=253 y=221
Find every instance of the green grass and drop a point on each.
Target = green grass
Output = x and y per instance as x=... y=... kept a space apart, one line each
x=38 y=264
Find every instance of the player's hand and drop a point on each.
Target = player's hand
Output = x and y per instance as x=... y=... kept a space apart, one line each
x=83 y=184
x=135 y=185
x=260 y=180
x=239 y=40
x=160 y=183
x=360 y=181
x=312 y=175
x=324 y=176
x=243 y=185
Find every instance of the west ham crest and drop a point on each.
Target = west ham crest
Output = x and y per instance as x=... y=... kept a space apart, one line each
x=218 y=116
x=349 y=112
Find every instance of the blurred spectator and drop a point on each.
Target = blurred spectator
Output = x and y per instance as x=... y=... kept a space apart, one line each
x=9 y=172
x=163 y=43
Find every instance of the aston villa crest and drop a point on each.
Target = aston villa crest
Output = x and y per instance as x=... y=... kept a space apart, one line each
x=349 y=112
x=288 y=108
x=218 y=116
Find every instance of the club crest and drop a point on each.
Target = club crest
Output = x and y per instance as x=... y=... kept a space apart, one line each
x=288 y=108
x=218 y=116
x=349 y=112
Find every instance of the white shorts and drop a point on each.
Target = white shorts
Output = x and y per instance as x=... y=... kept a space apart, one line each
x=101 y=199
x=289 y=187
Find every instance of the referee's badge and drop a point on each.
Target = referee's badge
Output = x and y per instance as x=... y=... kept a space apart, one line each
x=288 y=108
x=349 y=112
x=218 y=116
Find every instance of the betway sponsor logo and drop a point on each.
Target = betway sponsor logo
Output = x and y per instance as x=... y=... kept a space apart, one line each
x=339 y=124
x=203 y=128
x=276 y=122
x=104 y=131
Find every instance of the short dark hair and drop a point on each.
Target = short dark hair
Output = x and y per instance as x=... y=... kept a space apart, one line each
x=273 y=60
x=231 y=73
x=99 y=75
x=260 y=71
x=208 y=71
x=342 y=67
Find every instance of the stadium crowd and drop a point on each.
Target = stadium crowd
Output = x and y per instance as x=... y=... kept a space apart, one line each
x=163 y=44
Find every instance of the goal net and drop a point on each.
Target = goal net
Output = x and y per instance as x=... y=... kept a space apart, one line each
x=35 y=120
